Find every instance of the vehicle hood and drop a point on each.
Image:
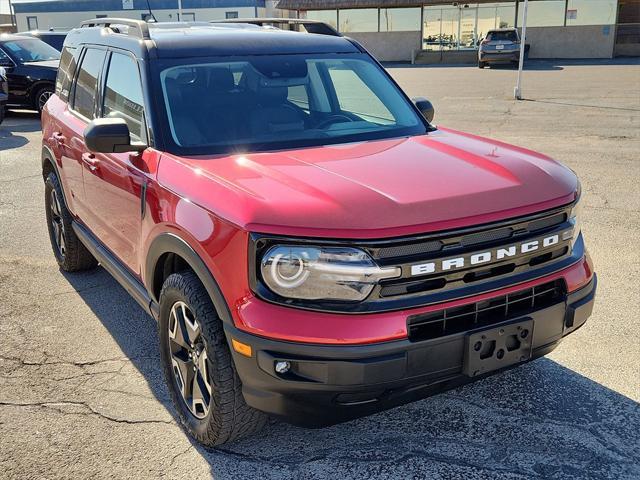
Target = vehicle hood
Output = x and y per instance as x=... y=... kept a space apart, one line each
x=442 y=180
x=46 y=69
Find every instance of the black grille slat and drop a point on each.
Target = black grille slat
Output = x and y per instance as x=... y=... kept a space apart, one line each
x=485 y=312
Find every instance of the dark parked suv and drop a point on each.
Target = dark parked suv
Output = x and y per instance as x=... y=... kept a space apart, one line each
x=31 y=67
x=4 y=92
x=311 y=245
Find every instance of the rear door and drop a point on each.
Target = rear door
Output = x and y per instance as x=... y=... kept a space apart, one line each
x=74 y=119
x=114 y=183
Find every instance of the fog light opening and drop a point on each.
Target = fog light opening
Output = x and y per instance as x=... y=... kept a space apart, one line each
x=282 y=367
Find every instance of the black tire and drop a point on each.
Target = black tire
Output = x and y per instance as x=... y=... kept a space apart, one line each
x=70 y=253
x=481 y=64
x=41 y=96
x=227 y=416
x=2 y=113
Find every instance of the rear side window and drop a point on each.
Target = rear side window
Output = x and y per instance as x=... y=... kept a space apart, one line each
x=123 y=94
x=66 y=71
x=87 y=82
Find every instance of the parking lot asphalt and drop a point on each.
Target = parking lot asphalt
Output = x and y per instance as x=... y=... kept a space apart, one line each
x=82 y=394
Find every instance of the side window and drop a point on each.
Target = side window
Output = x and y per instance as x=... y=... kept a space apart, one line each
x=123 y=95
x=5 y=61
x=356 y=97
x=298 y=96
x=66 y=71
x=87 y=82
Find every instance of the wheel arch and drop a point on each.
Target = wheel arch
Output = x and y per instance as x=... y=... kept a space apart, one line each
x=167 y=254
x=49 y=165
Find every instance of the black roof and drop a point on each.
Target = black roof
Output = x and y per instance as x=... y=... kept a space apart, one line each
x=184 y=40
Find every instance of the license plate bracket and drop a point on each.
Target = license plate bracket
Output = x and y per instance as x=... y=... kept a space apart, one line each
x=499 y=347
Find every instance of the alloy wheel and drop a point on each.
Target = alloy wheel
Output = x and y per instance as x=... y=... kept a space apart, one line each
x=42 y=99
x=57 y=223
x=189 y=361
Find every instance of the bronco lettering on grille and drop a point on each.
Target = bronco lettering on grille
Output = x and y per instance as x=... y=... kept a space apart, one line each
x=489 y=256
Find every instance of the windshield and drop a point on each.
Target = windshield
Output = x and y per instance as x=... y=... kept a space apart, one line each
x=282 y=101
x=30 y=50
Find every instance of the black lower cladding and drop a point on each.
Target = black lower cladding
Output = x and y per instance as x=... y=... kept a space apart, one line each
x=324 y=385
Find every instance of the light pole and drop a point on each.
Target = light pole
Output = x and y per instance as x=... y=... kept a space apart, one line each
x=13 y=17
x=517 y=92
x=180 y=10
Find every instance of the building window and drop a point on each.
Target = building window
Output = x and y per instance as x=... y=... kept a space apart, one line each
x=359 y=20
x=101 y=15
x=32 y=23
x=399 y=19
x=229 y=15
x=188 y=17
x=591 y=12
x=544 y=13
x=462 y=27
x=329 y=17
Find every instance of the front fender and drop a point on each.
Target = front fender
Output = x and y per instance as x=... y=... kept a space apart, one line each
x=171 y=243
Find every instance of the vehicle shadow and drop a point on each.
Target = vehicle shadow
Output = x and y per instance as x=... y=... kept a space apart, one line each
x=17 y=122
x=541 y=420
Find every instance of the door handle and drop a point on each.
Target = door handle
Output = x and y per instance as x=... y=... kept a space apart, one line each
x=91 y=161
x=59 y=138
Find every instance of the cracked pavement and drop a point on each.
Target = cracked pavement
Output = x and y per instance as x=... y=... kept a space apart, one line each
x=82 y=394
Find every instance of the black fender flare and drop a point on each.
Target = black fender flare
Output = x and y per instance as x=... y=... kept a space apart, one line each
x=47 y=156
x=171 y=243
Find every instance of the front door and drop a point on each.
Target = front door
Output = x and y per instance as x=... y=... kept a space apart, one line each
x=114 y=182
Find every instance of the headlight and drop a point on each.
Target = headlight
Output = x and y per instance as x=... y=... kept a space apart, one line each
x=322 y=273
x=575 y=217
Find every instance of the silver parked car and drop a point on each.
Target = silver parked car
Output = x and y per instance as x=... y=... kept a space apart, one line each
x=501 y=45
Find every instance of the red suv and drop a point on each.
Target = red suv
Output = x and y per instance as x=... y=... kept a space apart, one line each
x=312 y=246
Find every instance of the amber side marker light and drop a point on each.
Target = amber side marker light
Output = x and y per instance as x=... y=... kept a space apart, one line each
x=241 y=348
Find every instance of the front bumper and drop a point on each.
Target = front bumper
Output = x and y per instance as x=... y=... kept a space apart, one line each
x=331 y=384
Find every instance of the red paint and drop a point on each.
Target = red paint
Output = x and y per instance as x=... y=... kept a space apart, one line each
x=267 y=320
x=376 y=189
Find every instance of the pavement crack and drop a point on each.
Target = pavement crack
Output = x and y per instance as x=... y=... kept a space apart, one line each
x=57 y=406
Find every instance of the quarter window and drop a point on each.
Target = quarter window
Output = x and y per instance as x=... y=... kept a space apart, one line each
x=66 y=71
x=87 y=83
x=123 y=95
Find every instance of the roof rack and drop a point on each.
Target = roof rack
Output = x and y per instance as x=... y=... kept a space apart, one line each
x=311 y=26
x=141 y=28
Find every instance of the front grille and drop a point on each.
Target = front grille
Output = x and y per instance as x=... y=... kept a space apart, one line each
x=495 y=310
x=411 y=247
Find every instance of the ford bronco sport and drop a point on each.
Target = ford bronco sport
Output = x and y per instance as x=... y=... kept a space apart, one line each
x=311 y=245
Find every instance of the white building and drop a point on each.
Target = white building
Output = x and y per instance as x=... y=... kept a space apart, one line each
x=66 y=14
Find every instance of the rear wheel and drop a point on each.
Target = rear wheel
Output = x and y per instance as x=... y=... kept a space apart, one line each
x=41 y=97
x=70 y=252
x=202 y=379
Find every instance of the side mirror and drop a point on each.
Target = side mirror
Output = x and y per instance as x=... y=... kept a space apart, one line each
x=425 y=107
x=110 y=135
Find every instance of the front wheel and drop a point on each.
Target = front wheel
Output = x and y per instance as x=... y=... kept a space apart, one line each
x=481 y=64
x=198 y=367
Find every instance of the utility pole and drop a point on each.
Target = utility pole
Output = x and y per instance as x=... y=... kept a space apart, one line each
x=180 y=10
x=517 y=92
